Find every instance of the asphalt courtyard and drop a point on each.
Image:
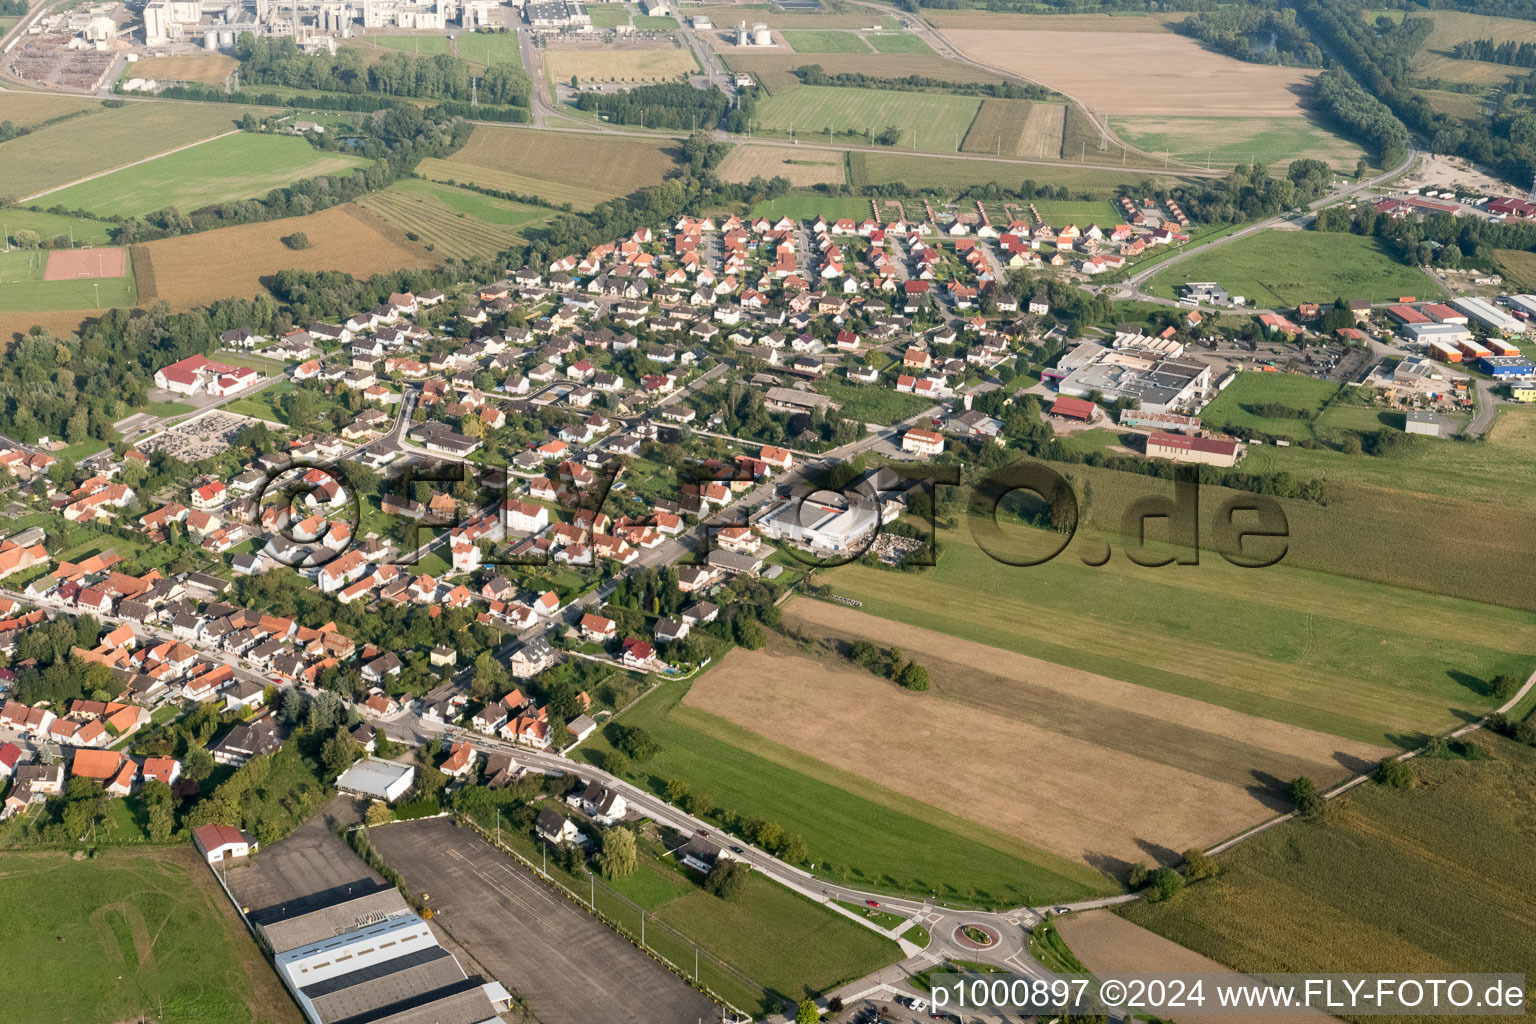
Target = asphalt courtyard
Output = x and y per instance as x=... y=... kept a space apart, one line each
x=568 y=966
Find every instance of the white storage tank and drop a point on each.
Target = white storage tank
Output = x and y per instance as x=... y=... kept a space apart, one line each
x=761 y=36
x=211 y=39
x=227 y=39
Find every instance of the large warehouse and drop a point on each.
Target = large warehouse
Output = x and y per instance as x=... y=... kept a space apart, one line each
x=357 y=953
x=1160 y=382
x=1205 y=450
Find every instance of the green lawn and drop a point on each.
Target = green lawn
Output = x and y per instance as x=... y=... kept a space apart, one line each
x=883 y=918
x=791 y=946
x=1225 y=141
x=135 y=933
x=1235 y=406
x=1383 y=885
x=492 y=47
x=166 y=409
x=1061 y=212
x=928 y=122
x=425 y=45
x=232 y=167
x=608 y=15
x=872 y=403
x=654 y=22
x=810 y=41
x=1282 y=268
x=857 y=831
x=23 y=290
x=1324 y=652
x=898 y=43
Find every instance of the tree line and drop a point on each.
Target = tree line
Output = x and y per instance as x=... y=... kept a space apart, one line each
x=674 y=105
x=815 y=74
x=1361 y=116
x=1256 y=34
x=1520 y=55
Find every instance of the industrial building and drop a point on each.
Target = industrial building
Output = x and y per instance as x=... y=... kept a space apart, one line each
x=1506 y=366
x=758 y=35
x=1207 y=451
x=377 y=780
x=357 y=953
x=1419 y=422
x=1424 y=333
x=1487 y=314
x=557 y=14
x=1161 y=383
x=315 y=24
x=819 y=522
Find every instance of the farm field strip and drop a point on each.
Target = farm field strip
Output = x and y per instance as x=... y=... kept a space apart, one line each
x=240 y=166
x=802 y=167
x=481 y=228
x=204 y=68
x=1171 y=772
x=1346 y=672
x=558 y=167
x=1225 y=141
x=917 y=171
x=832 y=41
x=999 y=128
x=112 y=138
x=25 y=109
x=619 y=64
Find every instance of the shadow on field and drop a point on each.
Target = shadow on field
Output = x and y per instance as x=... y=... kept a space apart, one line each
x=1354 y=765
x=1271 y=791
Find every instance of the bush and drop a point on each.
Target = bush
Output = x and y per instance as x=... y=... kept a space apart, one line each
x=1165 y=883
x=296 y=241
x=727 y=879
x=1394 y=773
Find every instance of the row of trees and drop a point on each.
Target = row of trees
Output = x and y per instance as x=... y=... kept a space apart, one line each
x=1515 y=54
x=815 y=74
x=1361 y=116
x=675 y=105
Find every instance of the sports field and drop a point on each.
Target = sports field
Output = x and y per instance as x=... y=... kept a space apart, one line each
x=800 y=166
x=1384 y=884
x=1322 y=652
x=928 y=122
x=1282 y=268
x=1225 y=141
x=560 y=167
x=452 y=221
x=23 y=288
x=861 y=832
x=1117 y=769
x=112 y=138
x=811 y=41
x=489 y=47
x=619 y=63
x=193 y=269
x=240 y=166
x=135 y=933
x=1172 y=74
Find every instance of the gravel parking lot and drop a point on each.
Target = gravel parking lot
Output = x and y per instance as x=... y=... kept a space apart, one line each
x=568 y=966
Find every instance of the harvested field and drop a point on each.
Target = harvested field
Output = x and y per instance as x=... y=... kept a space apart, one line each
x=1175 y=74
x=1434 y=58
x=1044 y=131
x=25 y=109
x=112 y=138
x=239 y=166
x=619 y=63
x=203 y=68
x=451 y=221
x=801 y=166
x=1109 y=944
x=1119 y=770
x=60 y=323
x=581 y=169
x=234 y=261
x=72 y=264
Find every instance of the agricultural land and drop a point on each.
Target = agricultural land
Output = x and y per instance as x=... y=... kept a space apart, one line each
x=453 y=221
x=1382 y=882
x=801 y=166
x=239 y=166
x=204 y=69
x=927 y=122
x=559 y=167
x=193 y=269
x=622 y=64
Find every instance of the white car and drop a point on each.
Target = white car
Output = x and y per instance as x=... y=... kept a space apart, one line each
x=918 y=1006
